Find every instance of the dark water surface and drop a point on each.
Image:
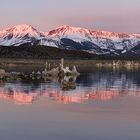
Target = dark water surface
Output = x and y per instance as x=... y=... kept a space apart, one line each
x=104 y=106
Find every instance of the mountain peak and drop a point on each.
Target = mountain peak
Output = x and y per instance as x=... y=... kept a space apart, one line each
x=65 y=26
x=68 y=29
x=21 y=31
x=70 y=38
x=22 y=28
x=19 y=34
x=71 y=28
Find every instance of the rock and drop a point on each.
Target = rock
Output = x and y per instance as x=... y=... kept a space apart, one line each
x=74 y=71
x=2 y=71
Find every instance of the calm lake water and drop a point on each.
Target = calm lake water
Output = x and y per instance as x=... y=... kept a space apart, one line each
x=102 y=105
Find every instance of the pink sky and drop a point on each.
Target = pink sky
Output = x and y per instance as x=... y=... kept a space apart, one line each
x=111 y=15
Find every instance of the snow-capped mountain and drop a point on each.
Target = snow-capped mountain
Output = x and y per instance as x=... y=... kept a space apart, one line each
x=73 y=38
x=19 y=35
x=99 y=42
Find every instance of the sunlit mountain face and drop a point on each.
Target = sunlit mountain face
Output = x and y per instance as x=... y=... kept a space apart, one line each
x=73 y=38
x=93 y=87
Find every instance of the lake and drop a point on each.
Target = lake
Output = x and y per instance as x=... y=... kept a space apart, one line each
x=102 y=105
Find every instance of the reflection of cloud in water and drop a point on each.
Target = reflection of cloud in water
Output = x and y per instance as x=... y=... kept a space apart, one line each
x=99 y=87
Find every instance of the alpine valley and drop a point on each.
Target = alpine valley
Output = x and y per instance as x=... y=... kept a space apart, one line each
x=69 y=42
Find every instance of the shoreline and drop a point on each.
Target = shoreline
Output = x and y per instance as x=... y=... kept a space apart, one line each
x=82 y=65
x=67 y=61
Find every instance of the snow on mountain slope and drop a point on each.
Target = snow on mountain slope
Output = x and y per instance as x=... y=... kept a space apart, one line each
x=76 y=34
x=66 y=37
x=19 y=35
x=95 y=41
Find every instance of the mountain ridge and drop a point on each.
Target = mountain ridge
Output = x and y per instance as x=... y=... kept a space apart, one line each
x=71 y=38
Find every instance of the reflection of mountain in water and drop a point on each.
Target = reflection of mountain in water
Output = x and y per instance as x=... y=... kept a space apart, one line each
x=95 y=86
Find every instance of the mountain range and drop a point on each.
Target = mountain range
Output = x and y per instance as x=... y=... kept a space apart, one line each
x=73 y=38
